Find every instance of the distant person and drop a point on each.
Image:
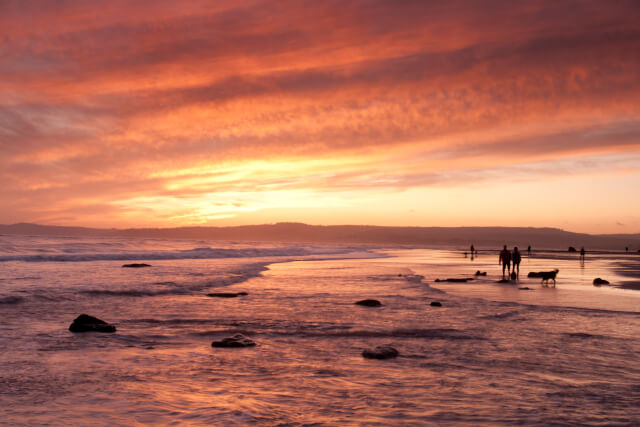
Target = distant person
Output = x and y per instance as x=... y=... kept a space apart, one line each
x=582 y=252
x=516 y=258
x=626 y=249
x=529 y=250
x=472 y=249
x=505 y=260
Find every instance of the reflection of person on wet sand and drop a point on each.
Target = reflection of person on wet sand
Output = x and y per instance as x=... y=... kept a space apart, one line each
x=505 y=260
x=516 y=258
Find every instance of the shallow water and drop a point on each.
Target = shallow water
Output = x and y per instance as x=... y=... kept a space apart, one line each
x=492 y=355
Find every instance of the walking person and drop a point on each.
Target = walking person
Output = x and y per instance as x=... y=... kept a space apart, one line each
x=505 y=260
x=516 y=258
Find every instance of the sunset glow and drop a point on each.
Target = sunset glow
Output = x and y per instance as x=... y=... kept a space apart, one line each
x=127 y=114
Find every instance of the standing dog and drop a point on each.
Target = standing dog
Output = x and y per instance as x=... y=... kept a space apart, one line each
x=549 y=275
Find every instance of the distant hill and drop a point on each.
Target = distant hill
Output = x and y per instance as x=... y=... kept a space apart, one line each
x=481 y=237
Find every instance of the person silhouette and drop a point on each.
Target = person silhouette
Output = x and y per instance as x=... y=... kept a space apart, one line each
x=505 y=260
x=516 y=258
x=529 y=250
x=582 y=252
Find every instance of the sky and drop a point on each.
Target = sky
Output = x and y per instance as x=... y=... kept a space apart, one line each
x=383 y=112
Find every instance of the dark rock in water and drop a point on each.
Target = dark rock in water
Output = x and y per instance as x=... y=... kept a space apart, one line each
x=572 y=249
x=136 y=265
x=380 y=352
x=227 y=294
x=436 y=304
x=86 y=323
x=599 y=282
x=464 y=280
x=369 y=303
x=11 y=300
x=236 y=341
x=525 y=288
x=481 y=273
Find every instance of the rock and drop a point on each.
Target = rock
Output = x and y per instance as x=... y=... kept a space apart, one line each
x=380 y=352
x=572 y=249
x=11 y=300
x=236 y=341
x=369 y=303
x=86 y=323
x=136 y=265
x=227 y=294
x=436 y=304
x=525 y=288
x=599 y=282
x=479 y=273
x=464 y=280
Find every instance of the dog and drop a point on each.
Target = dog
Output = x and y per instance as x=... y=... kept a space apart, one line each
x=549 y=275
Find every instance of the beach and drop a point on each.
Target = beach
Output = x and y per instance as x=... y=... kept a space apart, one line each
x=491 y=354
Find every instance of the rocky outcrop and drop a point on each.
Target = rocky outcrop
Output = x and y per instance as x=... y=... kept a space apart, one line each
x=86 y=323
x=369 y=303
x=381 y=352
x=599 y=282
x=571 y=249
x=436 y=304
x=227 y=294
x=236 y=341
x=139 y=265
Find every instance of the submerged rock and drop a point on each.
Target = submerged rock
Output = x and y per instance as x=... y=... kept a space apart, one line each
x=436 y=304
x=599 y=282
x=236 y=341
x=463 y=280
x=481 y=273
x=525 y=288
x=369 y=303
x=11 y=300
x=86 y=323
x=138 y=265
x=380 y=352
x=571 y=249
x=227 y=294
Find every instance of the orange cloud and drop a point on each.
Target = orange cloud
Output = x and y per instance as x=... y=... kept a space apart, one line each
x=121 y=108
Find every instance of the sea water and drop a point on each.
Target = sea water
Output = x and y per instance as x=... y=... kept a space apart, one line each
x=493 y=354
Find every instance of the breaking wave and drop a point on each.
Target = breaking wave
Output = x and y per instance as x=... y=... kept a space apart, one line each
x=196 y=253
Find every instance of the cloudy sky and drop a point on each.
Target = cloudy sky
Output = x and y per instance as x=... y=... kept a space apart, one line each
x=390 y=112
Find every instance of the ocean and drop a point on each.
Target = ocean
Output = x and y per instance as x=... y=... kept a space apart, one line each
x=491 y=354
